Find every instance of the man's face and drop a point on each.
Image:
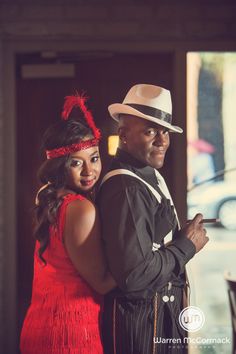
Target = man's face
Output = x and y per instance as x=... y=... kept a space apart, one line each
x=146 y=141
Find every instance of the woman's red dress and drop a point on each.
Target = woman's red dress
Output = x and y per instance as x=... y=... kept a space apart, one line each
x=64 y=315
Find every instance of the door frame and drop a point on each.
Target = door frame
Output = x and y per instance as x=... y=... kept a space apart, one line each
x=10 y=49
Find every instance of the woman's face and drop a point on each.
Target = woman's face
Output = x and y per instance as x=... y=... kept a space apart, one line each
x=84 y=169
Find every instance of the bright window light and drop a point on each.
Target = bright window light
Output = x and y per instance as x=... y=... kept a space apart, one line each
x=113 y=141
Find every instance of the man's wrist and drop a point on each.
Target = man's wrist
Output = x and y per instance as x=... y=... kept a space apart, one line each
x=185 y=245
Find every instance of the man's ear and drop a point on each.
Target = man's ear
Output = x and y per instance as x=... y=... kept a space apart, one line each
x=122 y=134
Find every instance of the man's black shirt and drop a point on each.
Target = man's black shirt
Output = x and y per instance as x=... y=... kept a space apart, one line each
x=131 y=223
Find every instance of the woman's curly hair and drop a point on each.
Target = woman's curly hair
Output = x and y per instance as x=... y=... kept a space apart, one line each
x=53 y=172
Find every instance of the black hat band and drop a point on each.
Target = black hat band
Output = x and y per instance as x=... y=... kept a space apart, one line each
x=151 y=111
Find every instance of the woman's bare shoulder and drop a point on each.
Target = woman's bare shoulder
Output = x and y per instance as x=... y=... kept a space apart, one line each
x=81 y=208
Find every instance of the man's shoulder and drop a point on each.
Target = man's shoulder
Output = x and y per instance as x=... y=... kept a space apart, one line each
x=120 y=186
x=120 y=182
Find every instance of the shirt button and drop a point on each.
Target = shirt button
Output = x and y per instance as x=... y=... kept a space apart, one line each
x=165 y=298
x=172 y=298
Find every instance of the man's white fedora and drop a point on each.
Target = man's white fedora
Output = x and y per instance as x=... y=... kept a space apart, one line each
x=149 y=102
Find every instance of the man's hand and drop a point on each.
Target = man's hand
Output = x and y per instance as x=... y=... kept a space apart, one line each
x=195 y=232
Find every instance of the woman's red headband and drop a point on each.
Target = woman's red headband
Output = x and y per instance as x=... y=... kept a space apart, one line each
x=70 y=103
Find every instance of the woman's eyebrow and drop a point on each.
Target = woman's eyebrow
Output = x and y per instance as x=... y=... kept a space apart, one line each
x=93 y=153
x=76 y=158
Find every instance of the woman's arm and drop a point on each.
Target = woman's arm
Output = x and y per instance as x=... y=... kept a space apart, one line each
x=84 y=245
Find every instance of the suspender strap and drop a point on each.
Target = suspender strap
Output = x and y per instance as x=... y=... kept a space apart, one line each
x=123 y=171
x=163 y=187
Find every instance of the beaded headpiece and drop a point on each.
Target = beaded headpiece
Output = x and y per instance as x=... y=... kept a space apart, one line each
x=70 y=103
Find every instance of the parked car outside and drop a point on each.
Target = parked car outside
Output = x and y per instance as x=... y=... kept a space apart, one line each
x=215 y=198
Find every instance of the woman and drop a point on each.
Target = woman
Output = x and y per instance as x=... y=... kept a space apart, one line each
x=69 y=265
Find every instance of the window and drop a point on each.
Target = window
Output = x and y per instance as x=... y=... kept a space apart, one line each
x=211 y=169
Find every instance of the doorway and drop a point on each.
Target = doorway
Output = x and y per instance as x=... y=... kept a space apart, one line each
x=105 y=78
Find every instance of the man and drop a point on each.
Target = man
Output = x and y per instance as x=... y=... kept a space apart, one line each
x=141 y=314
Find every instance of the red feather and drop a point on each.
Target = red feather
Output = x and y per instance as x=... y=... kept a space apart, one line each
x=79 y=101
